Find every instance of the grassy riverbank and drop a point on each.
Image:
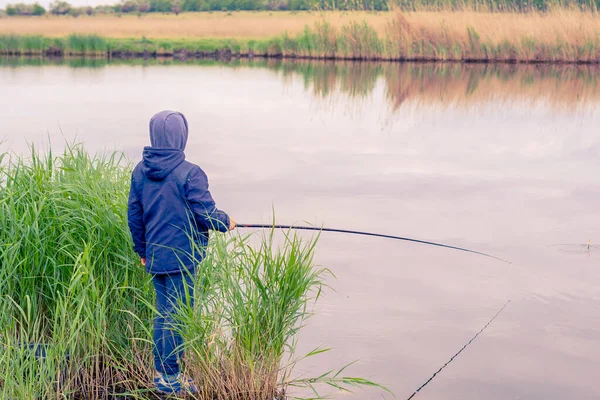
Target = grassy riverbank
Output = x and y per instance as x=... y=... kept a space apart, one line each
x=76 y=307
x=570 y=36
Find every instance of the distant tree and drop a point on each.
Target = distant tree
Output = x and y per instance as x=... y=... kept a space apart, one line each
x=204 y=6
x=103 y=10
x=198 y=5
x=301 y=4
x=278 y=5
x=176 y=7
x=160 y=6
x=60 y=7
x=38 y=9
x=144 y=6
x=191 y=5
x=76 y=11
x=128 y=6
x=245 y=5
x=24 y=9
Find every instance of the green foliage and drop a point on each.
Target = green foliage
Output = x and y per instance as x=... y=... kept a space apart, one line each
x=60 y=7
x=301 y=5
x=128 y=6
x=195 y=5
x=24 y=44
x=38 y=10
x=177 y=6
x=25 y=9
x=160 y=6
x=86 y=44
x=104 y=9
x=143 y=6
x=64 y=270
x=76 y=11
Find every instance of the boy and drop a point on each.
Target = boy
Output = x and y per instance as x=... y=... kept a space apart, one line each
x=170 y=213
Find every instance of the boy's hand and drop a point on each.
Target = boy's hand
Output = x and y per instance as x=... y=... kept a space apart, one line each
x=232 y=224
x=143 y=261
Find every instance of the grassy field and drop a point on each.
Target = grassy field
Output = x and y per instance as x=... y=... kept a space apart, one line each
x=556 y=36
x=233 y=25
x=265 y=25
x=76 y=307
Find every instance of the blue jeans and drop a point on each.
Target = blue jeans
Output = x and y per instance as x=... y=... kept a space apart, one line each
x=170 y=293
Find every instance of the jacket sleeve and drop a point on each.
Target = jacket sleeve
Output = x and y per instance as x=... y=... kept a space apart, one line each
x=202 y=204
x=135 y=218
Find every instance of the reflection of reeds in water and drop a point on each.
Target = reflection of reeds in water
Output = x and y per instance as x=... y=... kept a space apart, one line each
x=456 y=84
x=326 y=78
x=442 y=83
x=566 y=85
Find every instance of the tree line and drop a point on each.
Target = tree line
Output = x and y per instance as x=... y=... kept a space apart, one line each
x=60 y=7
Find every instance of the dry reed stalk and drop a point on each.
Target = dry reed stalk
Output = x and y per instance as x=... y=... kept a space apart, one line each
x=556 y=35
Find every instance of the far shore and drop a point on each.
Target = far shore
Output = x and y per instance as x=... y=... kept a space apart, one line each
x=559 y=36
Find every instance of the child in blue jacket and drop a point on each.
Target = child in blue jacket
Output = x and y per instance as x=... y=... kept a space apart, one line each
x=170 y=213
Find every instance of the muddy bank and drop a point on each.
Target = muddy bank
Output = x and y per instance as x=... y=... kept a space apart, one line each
x=227 y=54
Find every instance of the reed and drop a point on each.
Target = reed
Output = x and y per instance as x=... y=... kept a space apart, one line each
x=76 y=307
x=76 y=45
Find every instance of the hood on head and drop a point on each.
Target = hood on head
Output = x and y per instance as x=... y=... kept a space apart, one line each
x=168 y=130
x=168 y=136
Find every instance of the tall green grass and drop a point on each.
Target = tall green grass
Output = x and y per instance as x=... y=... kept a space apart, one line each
x=68 y=277
x=76 y=306
x=90 y=45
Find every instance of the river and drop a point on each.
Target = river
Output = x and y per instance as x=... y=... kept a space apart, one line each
x=500 y=159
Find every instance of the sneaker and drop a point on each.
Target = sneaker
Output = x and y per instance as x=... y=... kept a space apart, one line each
x=167 y=384
x=187 y=384
x=174 y=384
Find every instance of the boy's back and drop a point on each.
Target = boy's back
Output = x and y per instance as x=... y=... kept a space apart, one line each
x=170 y=206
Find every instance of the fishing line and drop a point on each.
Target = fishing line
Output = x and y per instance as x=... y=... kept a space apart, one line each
x=460 y=351
x=311 y=228
x=576 y=247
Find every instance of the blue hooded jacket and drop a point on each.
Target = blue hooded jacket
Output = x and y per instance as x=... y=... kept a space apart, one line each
x=170 y=207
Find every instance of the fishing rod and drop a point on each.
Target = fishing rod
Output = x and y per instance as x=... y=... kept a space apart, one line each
x=311 y=228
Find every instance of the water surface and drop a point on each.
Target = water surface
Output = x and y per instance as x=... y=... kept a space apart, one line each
x=501 y=159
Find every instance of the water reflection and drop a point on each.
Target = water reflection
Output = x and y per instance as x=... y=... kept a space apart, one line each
x=444 y=84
